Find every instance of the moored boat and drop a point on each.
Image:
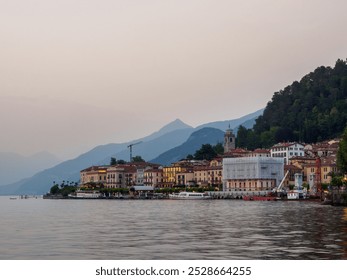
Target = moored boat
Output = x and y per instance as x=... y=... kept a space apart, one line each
x=296 y=194
x=85 y=195
x=190 y=196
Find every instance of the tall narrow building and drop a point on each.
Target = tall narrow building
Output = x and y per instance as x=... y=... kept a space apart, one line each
x=229 y=140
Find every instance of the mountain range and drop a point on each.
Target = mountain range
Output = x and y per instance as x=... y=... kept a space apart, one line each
x=172 y=142
x=13 y=165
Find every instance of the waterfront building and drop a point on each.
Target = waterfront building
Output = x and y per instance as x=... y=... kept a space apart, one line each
x=180 y=167
x=141 y=167
x=327 y=168
x=252 y=173
x=287 y=150
x=153 y=177
x=126 y=175
x=201 y=175
x=169 y=174
x=94 y=175
x=121 y=176
x=214 y=175
x=185 y=178
x=292 y=169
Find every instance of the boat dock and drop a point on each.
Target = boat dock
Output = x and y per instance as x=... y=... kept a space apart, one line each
x=236 y=194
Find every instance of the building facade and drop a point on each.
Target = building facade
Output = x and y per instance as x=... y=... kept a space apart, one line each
x=94 y=175
x=153 y=177
x=287 y=150
x=121 y=176
x=252 y=173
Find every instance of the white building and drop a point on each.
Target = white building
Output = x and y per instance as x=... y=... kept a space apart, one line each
x=252 y=173
x=287 y=150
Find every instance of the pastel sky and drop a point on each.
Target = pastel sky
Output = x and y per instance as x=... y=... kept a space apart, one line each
x=78 y=73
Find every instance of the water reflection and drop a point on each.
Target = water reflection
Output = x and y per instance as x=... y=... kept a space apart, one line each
x=217 y=229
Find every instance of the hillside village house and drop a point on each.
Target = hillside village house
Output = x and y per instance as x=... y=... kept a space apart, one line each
x=287 y=150
x=322 y=149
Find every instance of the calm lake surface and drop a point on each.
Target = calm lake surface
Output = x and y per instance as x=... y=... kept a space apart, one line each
x=166 y=229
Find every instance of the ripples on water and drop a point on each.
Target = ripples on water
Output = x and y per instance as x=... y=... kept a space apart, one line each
x=165 y=229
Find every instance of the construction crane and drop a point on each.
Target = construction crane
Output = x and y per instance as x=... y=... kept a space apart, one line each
x=318 y=179
x=279 y=189
x=130 y=146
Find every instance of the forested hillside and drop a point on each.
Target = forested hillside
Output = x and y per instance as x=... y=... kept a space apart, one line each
x=309 y=111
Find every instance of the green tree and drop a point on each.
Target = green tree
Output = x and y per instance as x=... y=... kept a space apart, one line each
x=342 y=153
x=55 y=189
x=189 y=157
x=205 y=152
x=138 y=159
x=113 y=161
x=242 y=137
x=219 y=149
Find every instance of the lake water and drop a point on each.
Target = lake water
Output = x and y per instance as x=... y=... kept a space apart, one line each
x=166 y=229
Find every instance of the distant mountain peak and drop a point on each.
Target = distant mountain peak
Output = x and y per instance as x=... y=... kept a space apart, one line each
x=174 y=125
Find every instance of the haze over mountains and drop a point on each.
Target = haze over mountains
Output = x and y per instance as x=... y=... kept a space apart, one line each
x=13 y=165
x=173 y=142
x=202 y=136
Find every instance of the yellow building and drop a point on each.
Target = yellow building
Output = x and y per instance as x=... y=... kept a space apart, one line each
x=169 y=174
x=327 y=167
x=95 y=175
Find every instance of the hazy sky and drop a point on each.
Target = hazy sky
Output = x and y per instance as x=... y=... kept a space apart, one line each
x=78 y=73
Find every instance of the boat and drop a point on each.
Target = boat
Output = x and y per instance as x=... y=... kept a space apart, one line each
x=296 y=194
x=85 y=195
x=190 y=196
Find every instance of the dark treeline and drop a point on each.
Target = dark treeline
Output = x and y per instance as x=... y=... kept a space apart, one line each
x=310 y=111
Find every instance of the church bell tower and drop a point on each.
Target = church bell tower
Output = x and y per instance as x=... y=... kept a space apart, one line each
x=229 y=140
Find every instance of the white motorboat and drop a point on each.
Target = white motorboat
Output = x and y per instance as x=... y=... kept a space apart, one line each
x=297 y=194
x=190 y=195
x=85 y=194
